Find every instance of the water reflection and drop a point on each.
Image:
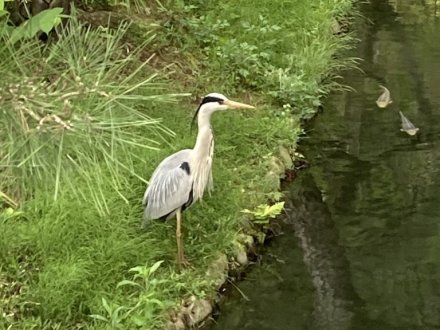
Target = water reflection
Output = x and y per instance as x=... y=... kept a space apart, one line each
x=279 y=292
x=385 y=207
x=364 y=219
x=334 y=296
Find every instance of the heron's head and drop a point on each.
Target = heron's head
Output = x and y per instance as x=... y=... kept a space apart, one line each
x=218 y=102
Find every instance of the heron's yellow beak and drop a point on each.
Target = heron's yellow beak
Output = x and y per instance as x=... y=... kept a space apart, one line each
x=237 y=105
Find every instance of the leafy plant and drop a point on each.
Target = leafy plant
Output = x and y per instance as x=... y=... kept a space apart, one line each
x=146 y=299
x=114 y=318
x=288 y=56
x=3 y=12
x=246 y=61
x=44 y=21
x=263 y=213
x=144 y=273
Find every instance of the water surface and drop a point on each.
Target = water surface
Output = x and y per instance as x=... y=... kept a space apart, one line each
x=361 y=243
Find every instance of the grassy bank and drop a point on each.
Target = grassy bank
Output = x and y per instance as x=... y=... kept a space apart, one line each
x=78 y=183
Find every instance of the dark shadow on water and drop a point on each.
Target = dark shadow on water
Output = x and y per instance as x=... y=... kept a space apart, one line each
x=334 y=297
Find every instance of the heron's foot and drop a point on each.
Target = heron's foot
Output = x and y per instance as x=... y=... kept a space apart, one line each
x=182 y=262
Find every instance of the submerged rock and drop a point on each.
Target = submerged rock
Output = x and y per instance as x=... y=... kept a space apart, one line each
x=286 y=157
x=242 y=258
x=176 y=323
x=218 y=270
x=200 y=310
x=277 y=166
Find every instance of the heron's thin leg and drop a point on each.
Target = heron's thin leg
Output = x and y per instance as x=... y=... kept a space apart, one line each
x=180 y=255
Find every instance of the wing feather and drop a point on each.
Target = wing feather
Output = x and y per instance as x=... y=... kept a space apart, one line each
x=170 y=186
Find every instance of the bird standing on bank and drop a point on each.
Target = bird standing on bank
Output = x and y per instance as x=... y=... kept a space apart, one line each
x=181 y=179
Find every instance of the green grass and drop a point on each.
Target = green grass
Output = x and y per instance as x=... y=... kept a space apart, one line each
x=77 y=232
x=283 y=50
x=76 y=107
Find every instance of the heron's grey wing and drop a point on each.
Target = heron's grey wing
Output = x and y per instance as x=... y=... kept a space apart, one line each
x=170 y=186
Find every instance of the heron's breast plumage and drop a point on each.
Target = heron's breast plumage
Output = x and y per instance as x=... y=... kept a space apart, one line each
x=202 y=174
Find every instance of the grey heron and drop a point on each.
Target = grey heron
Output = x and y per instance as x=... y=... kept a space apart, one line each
x=181 y=179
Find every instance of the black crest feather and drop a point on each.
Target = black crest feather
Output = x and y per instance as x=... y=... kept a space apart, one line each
x=205 y=100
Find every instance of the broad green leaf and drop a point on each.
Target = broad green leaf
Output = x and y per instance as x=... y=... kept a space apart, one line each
x=99 y=317
x=106 y=306
x=117 y=310
x=128 y=282
x=48 y=19
x=261 y=221
x=137 y=269
x=263 y=212
x=156 y=302
x=247 y=211
x=155 y=267
x=2 y=7
x=42 y=22
x=139 y=321
x=274 y=210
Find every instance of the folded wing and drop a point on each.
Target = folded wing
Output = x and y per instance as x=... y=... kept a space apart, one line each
x=170 y=186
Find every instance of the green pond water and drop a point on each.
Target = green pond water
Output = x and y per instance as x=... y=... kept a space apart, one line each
x=360 y=245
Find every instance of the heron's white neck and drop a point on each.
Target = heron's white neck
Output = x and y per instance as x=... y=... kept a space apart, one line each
x=203 y=153
x=204 y=136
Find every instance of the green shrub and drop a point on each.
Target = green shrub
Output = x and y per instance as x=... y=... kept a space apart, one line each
x=73 y=104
